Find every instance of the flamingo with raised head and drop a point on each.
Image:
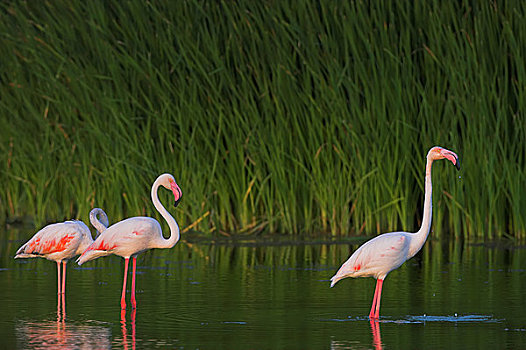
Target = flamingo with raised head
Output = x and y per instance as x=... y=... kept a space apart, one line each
x=59 y=242
x=132 y=236
x=385 y=253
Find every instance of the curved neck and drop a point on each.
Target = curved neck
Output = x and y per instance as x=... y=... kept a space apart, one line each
x=174 y=228
x=100 y=224
x=419 y=238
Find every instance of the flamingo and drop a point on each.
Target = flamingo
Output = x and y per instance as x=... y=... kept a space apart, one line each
x=385 y=253
x=60 y=242
x=132 y=236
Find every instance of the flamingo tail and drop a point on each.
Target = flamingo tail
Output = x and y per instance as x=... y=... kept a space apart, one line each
x=25 y=255
x=22 y=253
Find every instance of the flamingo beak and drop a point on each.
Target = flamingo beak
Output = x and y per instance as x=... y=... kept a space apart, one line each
x=177 y=193
x=451 y=156
x=457 y=164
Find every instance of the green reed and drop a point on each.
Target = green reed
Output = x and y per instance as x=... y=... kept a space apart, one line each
x=275 y=118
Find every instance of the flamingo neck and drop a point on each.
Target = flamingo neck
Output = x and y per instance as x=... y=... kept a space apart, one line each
x=174 y=228
x=419 y=238
x=99 y=224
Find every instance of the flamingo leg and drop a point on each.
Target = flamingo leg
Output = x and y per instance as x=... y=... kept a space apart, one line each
x=379 y=284
x=373 y=306
x=133 y=301
x=58 y=271
x=123 y=296
x=63 y=290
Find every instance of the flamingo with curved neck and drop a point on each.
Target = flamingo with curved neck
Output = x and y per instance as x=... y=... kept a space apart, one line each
x=132 y=236
x=385 y=253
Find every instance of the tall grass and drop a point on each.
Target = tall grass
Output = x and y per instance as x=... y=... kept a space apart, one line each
x=275 y=117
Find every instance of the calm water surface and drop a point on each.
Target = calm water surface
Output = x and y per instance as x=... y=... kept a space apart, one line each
x=246 y=295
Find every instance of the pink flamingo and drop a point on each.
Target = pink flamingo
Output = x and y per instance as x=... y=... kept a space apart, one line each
x=59 y=242
x=132 y=236
x=385 y=253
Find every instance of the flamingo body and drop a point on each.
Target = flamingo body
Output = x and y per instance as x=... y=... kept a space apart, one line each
x=125 y=238
x=132 y=236
x=376 y=257
x=57 y=242
x=387 y=252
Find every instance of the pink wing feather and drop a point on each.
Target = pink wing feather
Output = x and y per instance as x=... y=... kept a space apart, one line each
x=55 y=242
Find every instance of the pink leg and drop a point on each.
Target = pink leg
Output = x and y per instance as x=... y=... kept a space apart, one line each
x=378 y=295
x=58 y=271
x=63 y=291
x=123 y=297
x=133 y=301
x=373 y=307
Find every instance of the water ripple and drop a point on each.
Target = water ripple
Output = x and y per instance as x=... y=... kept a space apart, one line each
x=423 y=319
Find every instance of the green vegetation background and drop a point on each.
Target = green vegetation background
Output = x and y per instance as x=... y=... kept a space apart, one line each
x=275 y=117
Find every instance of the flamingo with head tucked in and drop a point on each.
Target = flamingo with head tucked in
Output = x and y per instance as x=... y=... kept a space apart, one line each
x=132 y=236
x=59 y=242
x=385 y=253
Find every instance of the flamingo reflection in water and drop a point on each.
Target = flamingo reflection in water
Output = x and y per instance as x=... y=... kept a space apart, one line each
x=352 y=343
x=377 y=338
x=51 y=334
x=125 y=331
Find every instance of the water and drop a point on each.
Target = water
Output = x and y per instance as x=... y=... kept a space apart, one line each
x=246 y=295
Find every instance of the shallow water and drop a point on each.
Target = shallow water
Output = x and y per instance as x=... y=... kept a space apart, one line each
x=256 y=296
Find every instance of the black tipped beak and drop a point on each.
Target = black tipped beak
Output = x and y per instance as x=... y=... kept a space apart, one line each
x=178 y=199
x=457 y=164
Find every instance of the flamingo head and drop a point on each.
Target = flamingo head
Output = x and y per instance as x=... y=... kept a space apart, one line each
x=168 y=182
x=441 y=153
